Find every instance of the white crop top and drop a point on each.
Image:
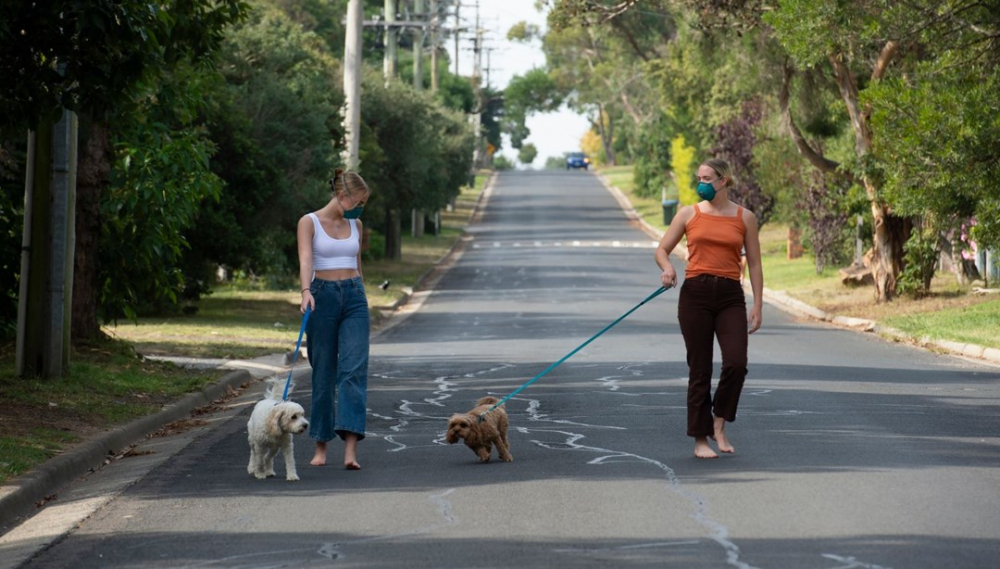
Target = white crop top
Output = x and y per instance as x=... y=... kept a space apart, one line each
x=330 y=253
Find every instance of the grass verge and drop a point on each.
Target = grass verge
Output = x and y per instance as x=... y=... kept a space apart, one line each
x=108 y=385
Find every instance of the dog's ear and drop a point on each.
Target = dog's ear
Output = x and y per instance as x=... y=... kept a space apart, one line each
x=274 y=421
x=474 y=436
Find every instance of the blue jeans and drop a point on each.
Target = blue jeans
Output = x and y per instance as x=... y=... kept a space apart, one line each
x=337 y=335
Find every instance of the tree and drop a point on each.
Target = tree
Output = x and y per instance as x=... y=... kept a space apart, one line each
x=864 y=44
x=275 y=123
x=414 y=154
x=105 y=49
x=735 y=143
x=527 y=154
x=533 y=92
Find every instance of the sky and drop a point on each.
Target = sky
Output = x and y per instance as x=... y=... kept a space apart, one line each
x=553 y=134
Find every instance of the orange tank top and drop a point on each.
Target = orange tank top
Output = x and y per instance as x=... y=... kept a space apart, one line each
x=714 y=244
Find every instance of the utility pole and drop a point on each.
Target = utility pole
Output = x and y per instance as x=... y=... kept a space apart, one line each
x=434 y=46
x=391 y=44
x=458 y=25
x=418 y=47
x=48 y=244
x=352 y=82
x=477 y=72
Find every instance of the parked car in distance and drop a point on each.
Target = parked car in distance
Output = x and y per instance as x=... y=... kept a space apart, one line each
x=576 y=160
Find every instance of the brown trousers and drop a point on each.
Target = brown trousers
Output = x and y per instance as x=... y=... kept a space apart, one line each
x=711 y=307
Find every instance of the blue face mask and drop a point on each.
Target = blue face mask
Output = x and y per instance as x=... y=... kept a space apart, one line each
x=706 y=191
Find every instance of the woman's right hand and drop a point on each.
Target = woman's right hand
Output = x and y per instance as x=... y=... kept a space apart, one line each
x=307 y=301
x=668 y=278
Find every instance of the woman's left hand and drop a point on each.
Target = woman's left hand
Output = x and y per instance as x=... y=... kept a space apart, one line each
x=754 y=320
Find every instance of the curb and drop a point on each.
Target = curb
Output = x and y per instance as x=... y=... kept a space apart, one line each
x=783 y=301
x=20 y=496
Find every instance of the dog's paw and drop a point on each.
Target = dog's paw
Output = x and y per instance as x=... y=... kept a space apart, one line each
x=292 y=478
x=508 y=458
x=260 y=475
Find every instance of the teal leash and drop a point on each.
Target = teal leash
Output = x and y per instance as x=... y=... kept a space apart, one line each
x=658 y=292
x=298 y=345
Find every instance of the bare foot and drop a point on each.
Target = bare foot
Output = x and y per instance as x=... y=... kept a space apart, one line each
x=319 y=459
x=702 y=450
x=351 y=452
x=720 y=436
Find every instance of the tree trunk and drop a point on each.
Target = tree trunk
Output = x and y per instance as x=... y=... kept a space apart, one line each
x=393 y=235
x=93 y=175
x=607 y=135
x=891 y=232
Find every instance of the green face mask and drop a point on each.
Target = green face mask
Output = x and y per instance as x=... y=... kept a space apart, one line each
x=706 y=191
x=354 y=213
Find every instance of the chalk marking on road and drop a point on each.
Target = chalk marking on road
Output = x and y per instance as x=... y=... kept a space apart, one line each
x=611 y=382
x=761 y=392
x=852 y=563
x=716 y=531
x=640 y=394
x=627 y=547
x=444 y=506
x=534 y=415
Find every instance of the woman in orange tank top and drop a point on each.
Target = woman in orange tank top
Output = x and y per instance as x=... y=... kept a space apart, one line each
x=712 y=303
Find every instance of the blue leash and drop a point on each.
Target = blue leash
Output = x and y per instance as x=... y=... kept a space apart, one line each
x=284 y=396
x=658 y=292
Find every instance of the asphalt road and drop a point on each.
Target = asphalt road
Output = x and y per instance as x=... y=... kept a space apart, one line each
x=852 y=452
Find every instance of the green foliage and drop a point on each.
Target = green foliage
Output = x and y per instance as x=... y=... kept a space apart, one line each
x=414 y=152
x=533 y=92
x=527 y=154
x=160 y=178
x=523 y=32
x=938 y=130
x=653 y=162
x=920 y=258
x=501 y=162
x=276 y=126
x=551 y=163
x=11 y=220
x=105 y=47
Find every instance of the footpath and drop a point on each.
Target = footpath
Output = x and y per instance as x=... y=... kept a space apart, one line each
x=43 y=505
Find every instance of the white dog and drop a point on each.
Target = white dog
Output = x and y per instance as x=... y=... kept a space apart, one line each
x=270 y=429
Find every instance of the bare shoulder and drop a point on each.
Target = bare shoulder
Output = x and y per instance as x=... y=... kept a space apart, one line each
x=305 y=222
x=686 y=213
x=749 y=217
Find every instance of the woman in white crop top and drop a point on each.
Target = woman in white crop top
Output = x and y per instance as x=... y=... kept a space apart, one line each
x=329 y=243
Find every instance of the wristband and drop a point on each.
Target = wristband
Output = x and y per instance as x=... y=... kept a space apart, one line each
x=303 y=290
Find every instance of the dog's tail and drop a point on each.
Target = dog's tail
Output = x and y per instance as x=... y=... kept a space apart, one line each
x=276 y=388
x=488 y=400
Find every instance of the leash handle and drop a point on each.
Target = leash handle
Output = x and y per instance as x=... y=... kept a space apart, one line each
x=656 y=293
x=295 y=356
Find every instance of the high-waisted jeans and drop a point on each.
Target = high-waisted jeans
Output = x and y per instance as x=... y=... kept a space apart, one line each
x=711 y=307
x=337 y=334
